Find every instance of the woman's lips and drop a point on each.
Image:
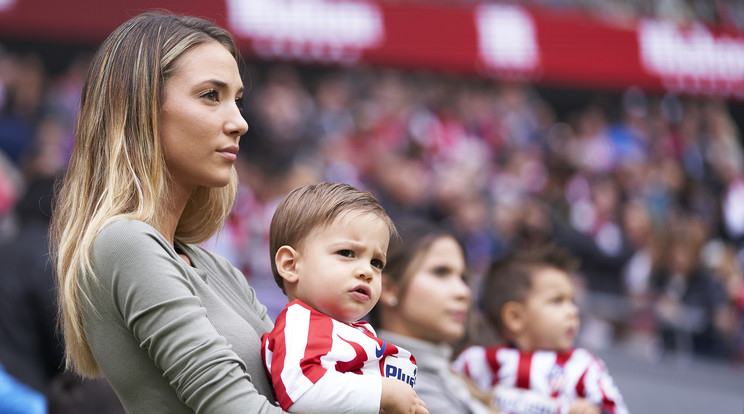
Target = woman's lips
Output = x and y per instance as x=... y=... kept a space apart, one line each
x=230 y=152
x=459 y=316
x=229 y=155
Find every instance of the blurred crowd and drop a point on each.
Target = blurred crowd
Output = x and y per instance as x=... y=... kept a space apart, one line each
x=647 y=190
x=37 y=115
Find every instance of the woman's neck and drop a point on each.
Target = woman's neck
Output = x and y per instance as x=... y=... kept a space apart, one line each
x=171 y=211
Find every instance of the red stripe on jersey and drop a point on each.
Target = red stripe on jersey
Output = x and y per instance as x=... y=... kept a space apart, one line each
x=264 y=340
x=523 y=371
x=319 y=329
x=493 y=362
x=562 y=357
x=608 y=405
x=356 y=363
x=278 y=347
x=390 y=349
x=580 y=386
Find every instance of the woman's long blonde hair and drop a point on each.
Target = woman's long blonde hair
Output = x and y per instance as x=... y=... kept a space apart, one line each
x=117 y=167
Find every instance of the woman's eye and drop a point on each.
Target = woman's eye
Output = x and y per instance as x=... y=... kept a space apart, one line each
x=441 y=272
x=239 y=103
x=345 y=253
x=212 y=95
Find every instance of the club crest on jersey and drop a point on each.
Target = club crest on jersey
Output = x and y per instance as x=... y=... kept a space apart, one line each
x=556 y=379
x=401 y=369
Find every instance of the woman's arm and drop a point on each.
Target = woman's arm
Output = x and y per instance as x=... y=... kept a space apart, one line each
x=159 y=305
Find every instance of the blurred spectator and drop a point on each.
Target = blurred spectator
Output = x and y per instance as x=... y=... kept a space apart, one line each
x=595 y=234
x=724 y=265
x=283 y=106
x=24 y=80
x=689 y=300
x=630 y=137
x=11 y=188
x=30 y=350
x=591 y=148
x=642 y=236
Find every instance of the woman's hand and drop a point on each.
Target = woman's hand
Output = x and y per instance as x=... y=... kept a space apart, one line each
x=398 y=397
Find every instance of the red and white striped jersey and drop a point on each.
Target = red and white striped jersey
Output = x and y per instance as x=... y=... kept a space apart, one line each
x=318 y=364
x=543 y=382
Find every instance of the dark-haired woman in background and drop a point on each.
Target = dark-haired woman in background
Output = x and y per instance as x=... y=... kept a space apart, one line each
x=424 y=306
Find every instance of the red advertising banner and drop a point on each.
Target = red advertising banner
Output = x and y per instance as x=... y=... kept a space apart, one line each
x=488 y=39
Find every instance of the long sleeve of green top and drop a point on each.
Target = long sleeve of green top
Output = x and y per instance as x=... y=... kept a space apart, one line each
x=173 y=338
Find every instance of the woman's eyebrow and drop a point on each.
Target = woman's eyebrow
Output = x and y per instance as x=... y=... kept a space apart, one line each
x=222 y=85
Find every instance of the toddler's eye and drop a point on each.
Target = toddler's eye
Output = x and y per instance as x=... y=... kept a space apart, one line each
x=378 y=264
x=345 y=253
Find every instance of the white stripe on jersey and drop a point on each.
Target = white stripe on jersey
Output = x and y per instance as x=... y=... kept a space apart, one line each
x=560 y=376
x=292 y=375
x=314 y=359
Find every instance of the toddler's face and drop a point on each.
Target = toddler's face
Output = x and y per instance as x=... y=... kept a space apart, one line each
x=340 y=266
x=551 y=314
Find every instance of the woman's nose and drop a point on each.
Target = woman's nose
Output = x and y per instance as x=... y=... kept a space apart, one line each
x=461 y=288
x=236 y=125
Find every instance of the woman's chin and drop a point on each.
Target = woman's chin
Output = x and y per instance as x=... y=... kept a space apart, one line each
x=448 y=335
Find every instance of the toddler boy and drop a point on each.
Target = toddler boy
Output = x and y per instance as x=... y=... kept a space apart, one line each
x=329 y=243
x=528 y=298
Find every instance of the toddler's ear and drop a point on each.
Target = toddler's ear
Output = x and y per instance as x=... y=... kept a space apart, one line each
x=513 y=317
x=286 y=263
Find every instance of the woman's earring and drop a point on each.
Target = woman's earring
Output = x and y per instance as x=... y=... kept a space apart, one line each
x=393 y=302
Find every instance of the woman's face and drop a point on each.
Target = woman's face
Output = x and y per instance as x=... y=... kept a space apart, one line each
x=201 y=123
x=435 y=305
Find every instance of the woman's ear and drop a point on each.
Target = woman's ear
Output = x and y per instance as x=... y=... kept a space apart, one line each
x=286 y=263
x=390 y=292
x=513 y=317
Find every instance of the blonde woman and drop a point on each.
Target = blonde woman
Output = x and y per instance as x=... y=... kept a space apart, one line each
x=173 y=327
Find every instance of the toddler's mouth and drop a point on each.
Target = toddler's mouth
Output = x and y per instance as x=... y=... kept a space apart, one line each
x=361 y=292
